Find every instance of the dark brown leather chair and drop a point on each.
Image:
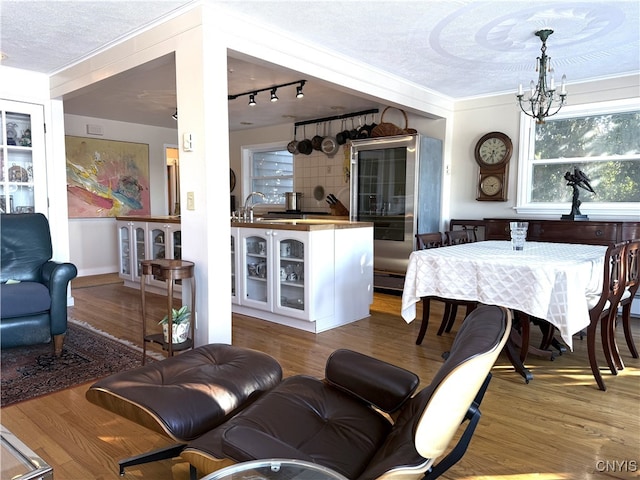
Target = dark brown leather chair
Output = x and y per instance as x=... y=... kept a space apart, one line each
x=339 y=422
x=187 y=395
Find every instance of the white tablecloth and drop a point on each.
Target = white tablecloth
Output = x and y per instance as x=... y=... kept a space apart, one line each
x=545 y=280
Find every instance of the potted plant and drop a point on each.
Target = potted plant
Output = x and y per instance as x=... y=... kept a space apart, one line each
x=180 y=322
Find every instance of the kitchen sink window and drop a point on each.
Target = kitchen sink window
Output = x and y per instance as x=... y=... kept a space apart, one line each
x=271 y=172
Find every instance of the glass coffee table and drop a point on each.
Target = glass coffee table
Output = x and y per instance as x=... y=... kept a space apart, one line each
x=19 y=462
x=275 y=469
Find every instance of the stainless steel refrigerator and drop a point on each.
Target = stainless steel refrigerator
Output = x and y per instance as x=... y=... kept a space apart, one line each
x=396 y=183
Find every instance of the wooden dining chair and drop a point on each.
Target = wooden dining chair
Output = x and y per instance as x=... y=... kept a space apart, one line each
x=457 y=237
x=632 y=275
x=633 y=282
x=423 y=242
x=435 y=240
x=603 y=309
x=429 y=240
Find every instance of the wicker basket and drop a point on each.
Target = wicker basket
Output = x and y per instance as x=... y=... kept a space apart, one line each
x=387 y=129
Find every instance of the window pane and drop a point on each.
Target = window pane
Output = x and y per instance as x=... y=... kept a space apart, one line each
x=590 y=136
x=272 y=174
x=613 y=181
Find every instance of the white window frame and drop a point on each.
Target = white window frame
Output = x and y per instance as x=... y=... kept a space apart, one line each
x=247 y=152
x=623 y=211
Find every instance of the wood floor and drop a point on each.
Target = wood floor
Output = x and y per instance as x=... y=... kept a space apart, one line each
x=560 y=426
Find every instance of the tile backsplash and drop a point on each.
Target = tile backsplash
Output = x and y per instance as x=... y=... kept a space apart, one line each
x=317 y=169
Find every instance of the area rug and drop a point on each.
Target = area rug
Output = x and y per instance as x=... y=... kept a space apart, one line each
x=29 y=372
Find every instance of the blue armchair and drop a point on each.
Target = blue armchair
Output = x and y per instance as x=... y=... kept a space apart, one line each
x=33 y=289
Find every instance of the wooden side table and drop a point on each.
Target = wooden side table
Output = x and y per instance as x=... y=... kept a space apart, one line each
x=169 y=271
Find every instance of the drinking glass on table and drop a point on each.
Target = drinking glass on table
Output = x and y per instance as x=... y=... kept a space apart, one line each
x=518 y=234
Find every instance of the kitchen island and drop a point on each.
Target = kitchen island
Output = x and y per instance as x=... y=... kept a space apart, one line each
x=310 y=274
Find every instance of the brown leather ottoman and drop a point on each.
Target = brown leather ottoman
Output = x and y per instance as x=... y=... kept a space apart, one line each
x=187 y=395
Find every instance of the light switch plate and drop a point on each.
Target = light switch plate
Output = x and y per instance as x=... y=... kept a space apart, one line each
x=191 y=205
x=187 y=142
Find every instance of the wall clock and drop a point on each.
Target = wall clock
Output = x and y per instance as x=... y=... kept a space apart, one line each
x=492 y=153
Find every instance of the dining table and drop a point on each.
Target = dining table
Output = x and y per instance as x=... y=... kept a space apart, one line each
x=548 y=281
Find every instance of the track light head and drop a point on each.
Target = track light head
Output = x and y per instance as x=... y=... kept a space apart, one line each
x=299 y=92
x=175 y=115
x=252 y=99
x=274 y=97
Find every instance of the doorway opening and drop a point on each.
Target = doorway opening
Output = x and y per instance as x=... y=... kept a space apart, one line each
x=172 y=160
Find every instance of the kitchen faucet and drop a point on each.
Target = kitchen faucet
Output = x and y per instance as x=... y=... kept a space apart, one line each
x=249 y=208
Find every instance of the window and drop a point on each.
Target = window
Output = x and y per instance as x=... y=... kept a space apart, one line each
x=270 y=170
x=601 y=140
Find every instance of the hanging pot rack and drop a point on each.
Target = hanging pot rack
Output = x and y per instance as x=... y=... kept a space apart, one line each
x=336 y=117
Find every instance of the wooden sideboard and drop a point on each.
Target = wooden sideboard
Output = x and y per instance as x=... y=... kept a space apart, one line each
x=587 y=232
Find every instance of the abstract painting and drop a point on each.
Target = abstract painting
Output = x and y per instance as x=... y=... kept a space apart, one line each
x=107 y=178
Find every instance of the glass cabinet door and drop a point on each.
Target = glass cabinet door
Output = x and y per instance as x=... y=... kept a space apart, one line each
x=233 y=267
x=256 y=276
x=158 y=243
x=176 y=236
x=139 y=233
x=22 y=158
x=125 y=251
x=292 y=274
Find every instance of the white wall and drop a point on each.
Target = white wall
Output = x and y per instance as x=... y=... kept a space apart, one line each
x=93 y=241
x=474 y=118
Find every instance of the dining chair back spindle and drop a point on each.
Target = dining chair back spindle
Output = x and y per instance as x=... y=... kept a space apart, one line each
x=633 y=282
x=632 y=273
x=603 y=309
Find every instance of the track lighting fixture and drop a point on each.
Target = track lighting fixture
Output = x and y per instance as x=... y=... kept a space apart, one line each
x=274 y=97
x=175 y=115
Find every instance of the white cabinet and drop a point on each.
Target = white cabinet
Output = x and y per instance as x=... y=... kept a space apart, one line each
x=165 y=241
x=143 y=239
x=23 y=176
x=133 y=249
x=256 y=282
x=290 y=276
x=235 y=262
x=286 y=273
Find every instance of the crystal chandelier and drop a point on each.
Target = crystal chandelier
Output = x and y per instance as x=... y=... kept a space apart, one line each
x=543 y=98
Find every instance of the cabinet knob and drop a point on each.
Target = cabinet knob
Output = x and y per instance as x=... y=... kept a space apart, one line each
x=599 y=233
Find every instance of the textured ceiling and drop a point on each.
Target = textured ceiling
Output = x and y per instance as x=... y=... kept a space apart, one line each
x=460 y=48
